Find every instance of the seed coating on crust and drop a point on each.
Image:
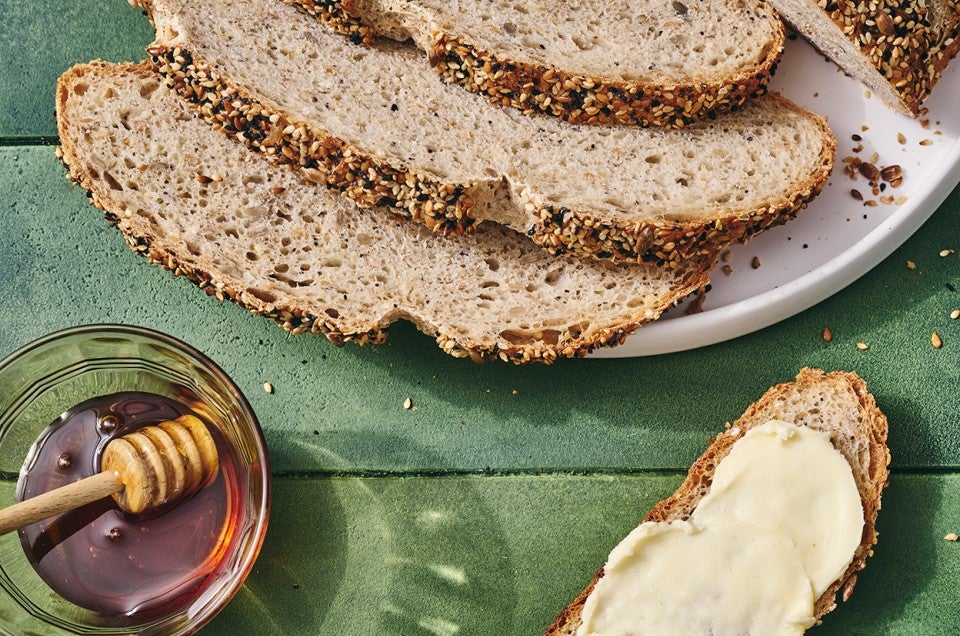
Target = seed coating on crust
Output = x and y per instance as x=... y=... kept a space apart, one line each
x=899 y=39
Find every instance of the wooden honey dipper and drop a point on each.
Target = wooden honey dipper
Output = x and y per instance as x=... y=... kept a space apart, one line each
x=142 y=471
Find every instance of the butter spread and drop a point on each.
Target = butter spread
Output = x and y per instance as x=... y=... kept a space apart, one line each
x=780 y=523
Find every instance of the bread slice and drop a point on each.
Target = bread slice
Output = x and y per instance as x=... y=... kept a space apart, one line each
x=836 y=402
x=897 y=49
x=206 y=208
x=632 y=62
x=380 y=126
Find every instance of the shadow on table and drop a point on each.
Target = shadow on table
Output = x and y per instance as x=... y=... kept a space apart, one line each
x=407 y=555
x=903 y=570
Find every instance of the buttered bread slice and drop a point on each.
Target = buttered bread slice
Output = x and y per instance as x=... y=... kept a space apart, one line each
x=772 y=521
x=380 y=126
x=632 y=62
x=205 y=207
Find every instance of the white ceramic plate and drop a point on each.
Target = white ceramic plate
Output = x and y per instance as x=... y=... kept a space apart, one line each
x=836 y=239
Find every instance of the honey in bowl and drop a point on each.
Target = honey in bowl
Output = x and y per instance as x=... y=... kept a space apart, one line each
x=112 y=562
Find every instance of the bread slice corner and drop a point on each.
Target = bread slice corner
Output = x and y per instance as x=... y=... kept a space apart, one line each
x=836 y=402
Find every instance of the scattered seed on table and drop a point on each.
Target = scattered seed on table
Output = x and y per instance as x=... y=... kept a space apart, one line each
x=268 y=387
x=935 y=340
x=951 y=537
x=955 y=314
x=862 y=346
x=945 y=253
x=408 y=403
x=911 y=265
x=827 y=334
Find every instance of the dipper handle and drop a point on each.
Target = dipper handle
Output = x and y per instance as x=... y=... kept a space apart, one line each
x=60 y=500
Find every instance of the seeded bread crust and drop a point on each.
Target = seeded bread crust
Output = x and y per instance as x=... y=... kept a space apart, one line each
x=448 y=207
x=574 y=97
x=908 y=42
x=145 y=193
x=862 y=440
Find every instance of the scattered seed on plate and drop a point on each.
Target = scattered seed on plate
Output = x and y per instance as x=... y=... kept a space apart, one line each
x=755 y=262
x=935 y=340
x=955 y=314
x=952 y=536
x=862 y=346
x=827 y=334
x=725 y=256
x=901 y=200
x=407 y=403
x=267 y=387
x=926 y=142
x=727 y=270
x=856 y=194
x=901 y=138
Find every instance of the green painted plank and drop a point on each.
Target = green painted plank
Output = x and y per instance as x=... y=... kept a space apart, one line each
x=40 y=39
x=502 y=555
x=342 y=409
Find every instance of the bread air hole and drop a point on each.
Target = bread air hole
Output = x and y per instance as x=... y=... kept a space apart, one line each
x=148 y=89
x=521 y=337
x=113 y=183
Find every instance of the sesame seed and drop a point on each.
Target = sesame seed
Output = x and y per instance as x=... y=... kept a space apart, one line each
x=911 y=265
x=951 y=536
x=407 y=403
x=827 y=334
x=955 y=314
x=945 y=253
x=267 y=387
x=862 y=346
x=935 y=340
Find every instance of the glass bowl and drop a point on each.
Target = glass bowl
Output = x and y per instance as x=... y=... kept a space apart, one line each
x=42 y=380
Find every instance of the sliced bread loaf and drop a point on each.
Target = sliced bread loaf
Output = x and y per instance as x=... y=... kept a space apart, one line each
x=206 y=208
x=837 y=403
x=897 y=48
x=631 y=62
x=377 y=124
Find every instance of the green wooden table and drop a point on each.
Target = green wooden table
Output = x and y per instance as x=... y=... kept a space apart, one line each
x=487 y=506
